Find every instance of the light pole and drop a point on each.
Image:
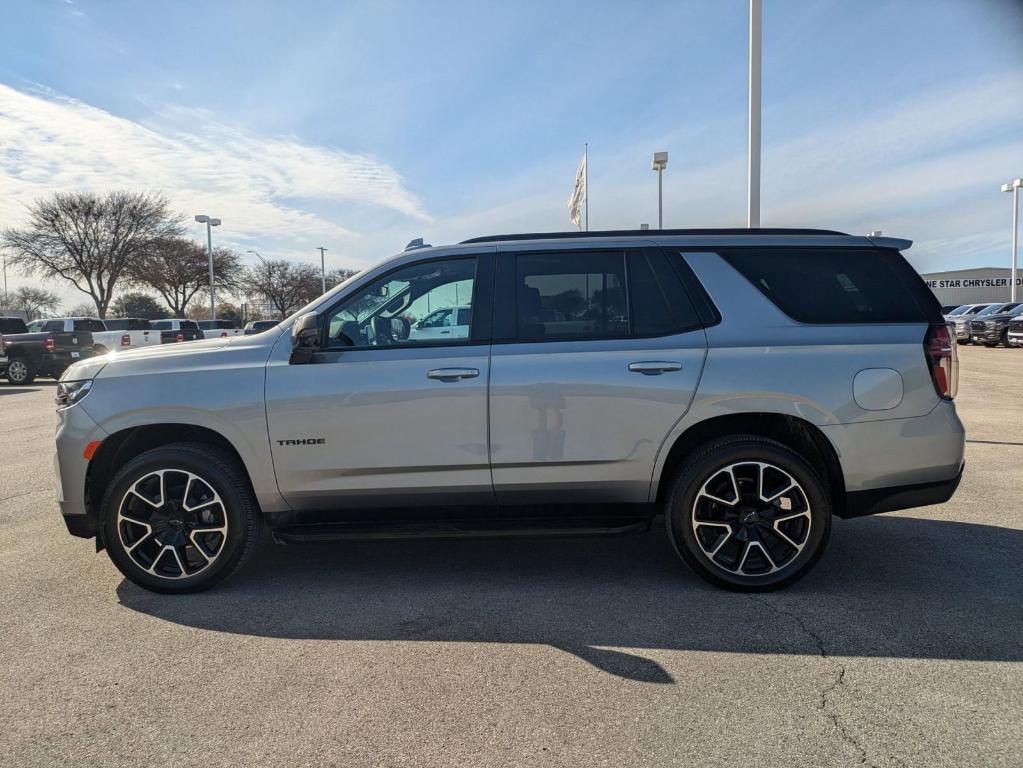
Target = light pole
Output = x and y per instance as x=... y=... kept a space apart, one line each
x=7 y=299
x=1014 y=187
x=660 y=162
x=210 y=223
x=323 y=272
x=753 y=175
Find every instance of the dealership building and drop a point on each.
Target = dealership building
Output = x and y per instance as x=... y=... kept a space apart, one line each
x=973 y=286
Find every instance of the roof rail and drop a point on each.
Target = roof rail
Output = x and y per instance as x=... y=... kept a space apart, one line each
x=652 y=233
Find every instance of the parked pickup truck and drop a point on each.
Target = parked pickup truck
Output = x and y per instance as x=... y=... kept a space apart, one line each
x=107 y=336
x=176 y=329
x=258 y=326
x=215 y=329
x=23 y=355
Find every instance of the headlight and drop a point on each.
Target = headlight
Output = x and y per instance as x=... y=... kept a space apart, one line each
x=70 y=392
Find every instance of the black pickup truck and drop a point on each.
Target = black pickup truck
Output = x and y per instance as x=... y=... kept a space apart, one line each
x=23 y=356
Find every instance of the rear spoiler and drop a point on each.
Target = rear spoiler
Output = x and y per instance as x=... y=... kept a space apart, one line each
x=891 y=242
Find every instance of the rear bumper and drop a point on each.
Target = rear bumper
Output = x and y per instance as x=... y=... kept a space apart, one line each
x=872 y=502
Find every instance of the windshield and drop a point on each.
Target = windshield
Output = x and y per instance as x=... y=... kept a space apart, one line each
x=993 y=309
x=961 y=310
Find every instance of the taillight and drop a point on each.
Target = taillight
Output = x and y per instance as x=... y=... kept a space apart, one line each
x=49 y=344
x=3 y=344
x=179 y=337
x=126 y=340
x=940 y=349
x=223 y=334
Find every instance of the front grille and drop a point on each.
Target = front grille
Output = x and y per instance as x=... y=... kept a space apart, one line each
x=1016 y=326
x=977 y=325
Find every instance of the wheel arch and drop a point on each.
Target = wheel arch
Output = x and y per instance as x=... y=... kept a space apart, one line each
x=121 y=446
x=795 y=433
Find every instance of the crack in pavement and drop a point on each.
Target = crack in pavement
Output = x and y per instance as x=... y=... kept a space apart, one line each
x=838 y=682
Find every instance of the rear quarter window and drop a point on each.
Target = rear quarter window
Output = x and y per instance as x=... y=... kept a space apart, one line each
x=838 y=285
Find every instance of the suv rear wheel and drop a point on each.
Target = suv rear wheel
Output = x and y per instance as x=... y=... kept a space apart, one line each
x=180 y=518
x=748 y=514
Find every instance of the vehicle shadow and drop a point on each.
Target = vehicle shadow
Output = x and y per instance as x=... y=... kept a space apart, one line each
x=887 y=587
x=12 y=390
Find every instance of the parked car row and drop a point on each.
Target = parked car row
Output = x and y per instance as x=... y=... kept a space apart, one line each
x=47 y=347
x=987 y=324
x=25 y=354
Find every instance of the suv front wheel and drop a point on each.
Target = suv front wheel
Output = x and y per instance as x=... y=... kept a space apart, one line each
x=748 y=514
x=180 y=518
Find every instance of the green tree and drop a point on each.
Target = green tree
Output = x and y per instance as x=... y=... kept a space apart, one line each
x=139 y=305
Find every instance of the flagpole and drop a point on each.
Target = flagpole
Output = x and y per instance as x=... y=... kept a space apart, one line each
x=586 y=182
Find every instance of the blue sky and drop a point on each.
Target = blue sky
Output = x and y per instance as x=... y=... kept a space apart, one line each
x=359 y=126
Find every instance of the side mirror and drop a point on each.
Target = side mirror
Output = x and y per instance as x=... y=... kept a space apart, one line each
x=305 y=338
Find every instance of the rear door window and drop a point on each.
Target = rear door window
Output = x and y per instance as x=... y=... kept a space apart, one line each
x=838 y=285
x=570 y=295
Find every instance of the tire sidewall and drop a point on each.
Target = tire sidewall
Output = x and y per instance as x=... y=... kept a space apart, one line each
x=172 y=458
x=694 y=474
x=26 y=365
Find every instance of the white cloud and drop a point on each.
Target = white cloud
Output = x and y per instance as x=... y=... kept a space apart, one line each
x=49 y=142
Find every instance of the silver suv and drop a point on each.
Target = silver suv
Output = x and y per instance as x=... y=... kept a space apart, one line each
x=746 y=384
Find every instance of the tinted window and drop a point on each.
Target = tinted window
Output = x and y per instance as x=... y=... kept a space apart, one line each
x=188 y=325
x=162 y=325
x=89 y=325
x=128 y=324
x=12 y=325
x=570 y=295
x=405 y=307
x=659 y=303
x=54 y=325
x=837 y=286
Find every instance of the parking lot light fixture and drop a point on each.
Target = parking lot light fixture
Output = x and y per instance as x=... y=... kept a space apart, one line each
x=659 y=163
x=210 y=222
x=1014 y=187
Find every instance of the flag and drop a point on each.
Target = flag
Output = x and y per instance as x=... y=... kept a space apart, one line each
x=577 y=199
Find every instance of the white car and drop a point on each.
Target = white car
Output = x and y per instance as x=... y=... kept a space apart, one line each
x=215 y=329
x=446 y=323
x=1014 y=336
x=107 y=335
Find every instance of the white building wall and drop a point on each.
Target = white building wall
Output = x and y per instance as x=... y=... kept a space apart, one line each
x=972 y=286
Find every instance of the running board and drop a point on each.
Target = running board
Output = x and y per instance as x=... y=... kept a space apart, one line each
x=488 y=528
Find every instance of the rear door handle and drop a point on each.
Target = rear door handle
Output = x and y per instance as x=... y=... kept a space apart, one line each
x=452 y=374
x=654 y=367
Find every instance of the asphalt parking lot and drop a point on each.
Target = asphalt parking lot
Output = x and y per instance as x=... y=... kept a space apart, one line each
x=902 y=648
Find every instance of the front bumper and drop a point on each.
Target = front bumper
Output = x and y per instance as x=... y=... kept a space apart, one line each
x=75 y=430
x=962 y=332
x=988 y=335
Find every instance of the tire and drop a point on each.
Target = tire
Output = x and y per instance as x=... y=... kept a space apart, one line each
x=21 y=370
x=721 y=527
x=209 y=529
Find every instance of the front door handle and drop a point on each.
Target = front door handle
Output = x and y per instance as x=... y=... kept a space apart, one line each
x=654 y=367
x=452 y=374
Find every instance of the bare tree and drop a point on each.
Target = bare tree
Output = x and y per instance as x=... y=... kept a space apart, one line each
x=88 y=240
x=35 y=301
x=85 y=309
x=339 y=275
x=285 y=285
x=178 y=269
